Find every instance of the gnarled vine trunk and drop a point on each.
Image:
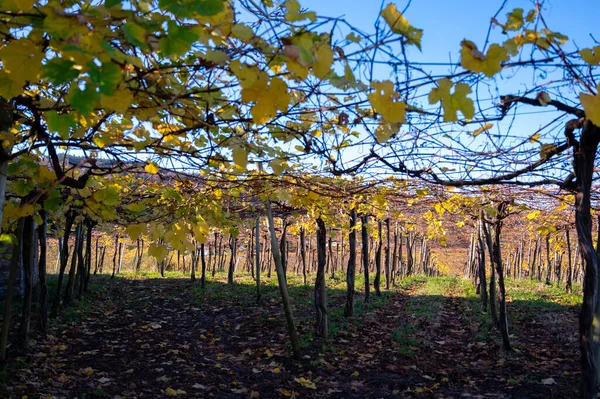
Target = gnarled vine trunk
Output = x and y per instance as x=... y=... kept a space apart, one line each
x=351 y=270
x=584 y=159
x=321 y=327
x=365 y=254
x=283 y=289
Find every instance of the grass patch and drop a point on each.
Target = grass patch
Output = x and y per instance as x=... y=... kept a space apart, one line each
x=428 y=299
x=405 y=341
x=541 y=295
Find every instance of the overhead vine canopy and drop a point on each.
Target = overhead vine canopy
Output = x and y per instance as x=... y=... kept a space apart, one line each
x=179 y=111
x=215 y=83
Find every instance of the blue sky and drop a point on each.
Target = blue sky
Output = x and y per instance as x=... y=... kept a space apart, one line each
x=446 y=23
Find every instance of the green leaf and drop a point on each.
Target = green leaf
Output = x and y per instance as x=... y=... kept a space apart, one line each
x=8 y=239
x=208 y=8
x=111 y=3
x=136 y=207
x=83 y=100
x=205 y=8
x=491 y=211
x=422 y=192
x=514 y=20
x=135 y=34
x=52 y=203
x=178 y=41
x=58 y=71
x=108 y=196
x=60 y=123
x=22 y=187
x=107 y=77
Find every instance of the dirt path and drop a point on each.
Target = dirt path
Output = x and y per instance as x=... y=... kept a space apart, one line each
x=461 y=355
x=158 y=338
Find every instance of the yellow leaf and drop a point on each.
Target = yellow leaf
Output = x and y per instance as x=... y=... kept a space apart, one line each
x=274 y=98
x=352 y=37
x=293 y=12
x=305 y=383
x=452 y=103
x=119 y=102
x=380 y=199
x=324 y=59
x=240 y=154
x=591 y=55
x=18 y=5
x=384 y=101
x=22 y=60
x=278 y=165
x=545 y=149
x=474 y=60
x=482 y=129
x=286 y=393
x=401 y=26
x=135 y=230
x=8 y=87
x=159 y=251
x=151 y=168
x=172 y=392
x=200 y=231
x=297 y=69
x=591 y=106
x=385 y=131
x=267 y=96
x=23 y=211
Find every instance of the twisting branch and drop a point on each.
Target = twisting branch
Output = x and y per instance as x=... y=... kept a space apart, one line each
x=509 y=100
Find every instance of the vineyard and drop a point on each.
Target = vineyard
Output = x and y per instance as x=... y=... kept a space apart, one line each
x=240 y=198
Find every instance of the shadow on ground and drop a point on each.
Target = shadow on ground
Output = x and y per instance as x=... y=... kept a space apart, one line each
x=428 y=337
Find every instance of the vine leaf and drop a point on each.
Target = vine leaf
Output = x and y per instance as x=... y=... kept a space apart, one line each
x=591 y=55
x=591 y=106
x=384 y=102
x=401 y=26
x=453 y=102
x=475 y=61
